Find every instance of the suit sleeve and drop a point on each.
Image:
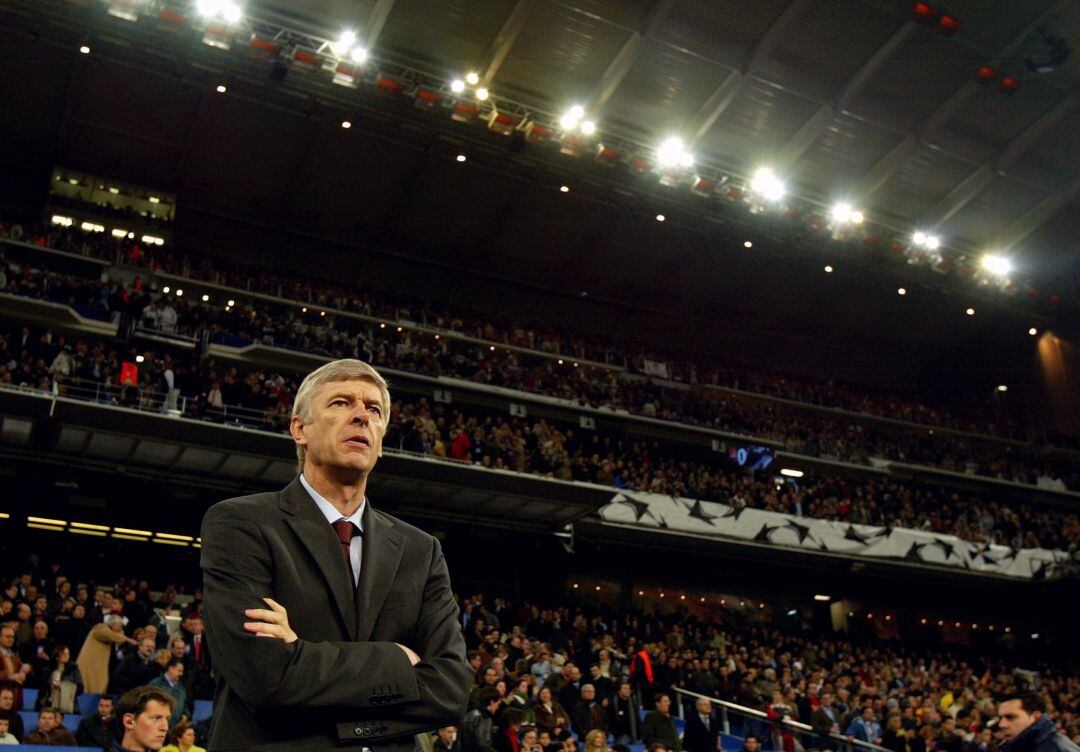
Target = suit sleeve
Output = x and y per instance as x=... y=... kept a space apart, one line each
x=443 y=676
x=268 y=673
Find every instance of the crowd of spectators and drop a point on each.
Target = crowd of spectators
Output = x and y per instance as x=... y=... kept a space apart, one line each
x=547 y=677
x=207 y=390
x=825 y=434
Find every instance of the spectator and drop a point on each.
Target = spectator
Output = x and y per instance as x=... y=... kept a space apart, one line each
x=1025 y=727
x=446 y=740
x=6 y=737
x=182 y=739
x=93 y=659
x=589 y=713
x=509 y=725
x=63 y=682
x=596 y=741
x=9 y=714
x=702 y=730
x=37 y=653
x=13 y=672
x=826 y=717
x=623 y=715
x=50 y=730
x=144 y=716
x=896 y=738
x=99 y=728
x=658 y=726
x=134 y=670
x=751 y=744
x=476 y=727
x=550 y=715
x=865 y=728
x=170 y=681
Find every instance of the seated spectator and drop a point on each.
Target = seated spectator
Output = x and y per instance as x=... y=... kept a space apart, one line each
x=865 y=728
x=596 y=741
x=37 y=652
x=550 y=715
x=509 y=725
x=6 y=737
x=98 y=729
x=9 y=714
x=751 y=744
x=13 y=672
x=144 y=716
x=50 y=730
x=182 y=739
x=477 y=728
x=658 y=727
x=446 y=740
x=134 y=670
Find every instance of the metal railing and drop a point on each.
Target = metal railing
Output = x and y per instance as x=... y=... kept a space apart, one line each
x=748 y=721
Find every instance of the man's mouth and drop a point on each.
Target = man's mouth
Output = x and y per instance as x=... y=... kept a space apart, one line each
x=358 y=440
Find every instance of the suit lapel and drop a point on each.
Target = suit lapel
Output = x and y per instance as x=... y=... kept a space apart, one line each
x=379 y=562
x=319 y=539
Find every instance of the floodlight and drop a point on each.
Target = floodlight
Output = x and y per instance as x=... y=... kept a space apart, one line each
x=588 y=127
x=472 y=79
x=457 y=86
x=358 y=55
x=997 y=265
x=344 y=43
x=672 y=153
x=767 y=185
x=482 y=94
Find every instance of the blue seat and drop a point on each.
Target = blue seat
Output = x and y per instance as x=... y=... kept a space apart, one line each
x=71 y=721
x=729 y=742
x=639 y=747
x=29 y=719
x=87 y=703
x=680 y=725
x=29 y=698
x=203 y=709
x=51 y=748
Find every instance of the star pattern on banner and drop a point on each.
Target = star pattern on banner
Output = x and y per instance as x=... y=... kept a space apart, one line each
x=640 y=507
x=803 y=531
x=915 y=552
x=947 y=547
x=733 y=512
x=697 y=511
x=852 y=534
x=1013 y=552
x=765 y=534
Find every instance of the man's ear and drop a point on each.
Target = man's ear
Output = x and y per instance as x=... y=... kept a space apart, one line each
x=296 y=428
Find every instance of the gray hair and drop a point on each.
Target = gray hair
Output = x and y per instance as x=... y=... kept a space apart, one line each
x=346 y=369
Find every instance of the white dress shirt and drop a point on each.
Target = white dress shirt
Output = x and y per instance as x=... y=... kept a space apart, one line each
x=333 y=515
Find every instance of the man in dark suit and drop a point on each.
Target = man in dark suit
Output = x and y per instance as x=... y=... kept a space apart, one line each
x=702 y=731
x=332 y=623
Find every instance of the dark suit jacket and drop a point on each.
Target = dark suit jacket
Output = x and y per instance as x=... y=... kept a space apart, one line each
x=344 y=680
x=697 y=737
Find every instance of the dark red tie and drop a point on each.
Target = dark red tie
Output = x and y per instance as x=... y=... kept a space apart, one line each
x=345 y=531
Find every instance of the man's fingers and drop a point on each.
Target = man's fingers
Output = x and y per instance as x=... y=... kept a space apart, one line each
x=271 y=630
x=276 y=606
x=261 y=613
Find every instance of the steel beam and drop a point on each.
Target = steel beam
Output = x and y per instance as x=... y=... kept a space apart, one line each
x=504 y=41
x=628 y=54
x=376 y=21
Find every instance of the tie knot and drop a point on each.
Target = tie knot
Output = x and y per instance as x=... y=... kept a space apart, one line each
x=345 y=530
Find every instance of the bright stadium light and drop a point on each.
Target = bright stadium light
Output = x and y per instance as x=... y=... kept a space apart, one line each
x=767 y=185
x=572 y=117
x=997 y=265
x=857 y=217
x=482 y=94
x=919 y=238
x=1033 y=331
x=588 y=127
x=842 y=213
x=358 y=54
x=457 y=86
x=1003 y=387
x=472 y=78
x=932 y=242
x=673 y=153
x=344 y=43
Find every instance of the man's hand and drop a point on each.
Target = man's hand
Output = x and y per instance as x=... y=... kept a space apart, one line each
x=413 y=657
x=277 y=622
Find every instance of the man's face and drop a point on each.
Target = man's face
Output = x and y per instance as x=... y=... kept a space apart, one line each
x=345 y=427
x=105 y=707
x=751 y=744
x=46 y=721
x=447 y=734
x=3 y=727
x=624 y=691
x=179 y=648
x=7 y=699
x=663 y=704
x=588 y=694
x=575 y=674
x=148 y=729
x=1013 y=719
x=826 y=699
x=490 y=676
x=41 y=630
x=704 y=707
x=529 y=739
x=195 y=625
x=146 y=647
x=23 y=612
x=175 y=672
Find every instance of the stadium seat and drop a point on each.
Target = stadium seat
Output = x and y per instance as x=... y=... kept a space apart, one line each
x=87 y=703
x=680 y=725
x=731 y=743
x=71 y=721
x=52 y=748
x=29 y=719
x=637 y=747
x=203 y=709
x=29 y=698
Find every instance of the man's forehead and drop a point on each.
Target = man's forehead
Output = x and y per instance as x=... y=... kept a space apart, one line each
x=351 y=387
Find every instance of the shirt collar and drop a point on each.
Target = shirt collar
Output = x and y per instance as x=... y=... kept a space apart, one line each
x=329 y=511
